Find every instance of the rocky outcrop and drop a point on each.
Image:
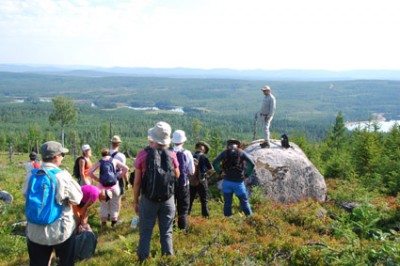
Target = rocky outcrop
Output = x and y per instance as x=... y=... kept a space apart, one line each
x=286 y=175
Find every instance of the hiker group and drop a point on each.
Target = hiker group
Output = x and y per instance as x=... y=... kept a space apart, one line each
x=166 y=181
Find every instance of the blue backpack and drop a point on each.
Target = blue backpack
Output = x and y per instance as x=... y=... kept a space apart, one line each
x=108 y=176
x=41 y=206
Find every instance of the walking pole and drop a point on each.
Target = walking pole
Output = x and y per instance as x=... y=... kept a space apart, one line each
x=255 y=126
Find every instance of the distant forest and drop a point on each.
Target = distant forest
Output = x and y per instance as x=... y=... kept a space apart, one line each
x=213 y=108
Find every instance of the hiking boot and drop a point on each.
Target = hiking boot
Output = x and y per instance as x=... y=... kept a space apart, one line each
x=114 y=223
x=265 y=144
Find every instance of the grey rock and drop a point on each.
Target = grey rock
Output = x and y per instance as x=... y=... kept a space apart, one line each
x=6 y=197
x=286 y=175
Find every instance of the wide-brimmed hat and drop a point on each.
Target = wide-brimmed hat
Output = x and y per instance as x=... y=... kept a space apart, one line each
x=85 y=147
x=232 y=141
x=266 y=88
x=204 y=144
x=178 y=136
x=32 y=156
x=116 y=139
x=161 y=133
x=51 y=149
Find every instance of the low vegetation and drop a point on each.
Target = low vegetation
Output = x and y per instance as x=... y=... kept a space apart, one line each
x=303 y=233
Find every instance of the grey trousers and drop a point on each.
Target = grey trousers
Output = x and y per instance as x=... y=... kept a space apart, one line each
x=265 y=127
x=149 y=211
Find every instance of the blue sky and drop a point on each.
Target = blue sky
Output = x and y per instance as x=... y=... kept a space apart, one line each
x=248 y=34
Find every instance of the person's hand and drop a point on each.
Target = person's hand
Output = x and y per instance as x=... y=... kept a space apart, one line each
x=136 y=207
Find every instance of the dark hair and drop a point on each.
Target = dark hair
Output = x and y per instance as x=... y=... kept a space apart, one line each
x=105 y=152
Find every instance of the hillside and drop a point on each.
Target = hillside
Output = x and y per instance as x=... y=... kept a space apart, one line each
x=297 y=100
x=304 y=233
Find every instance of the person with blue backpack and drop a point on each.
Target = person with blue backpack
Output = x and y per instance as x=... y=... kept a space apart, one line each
x=236 y=166
x=50 y=193
x=186 y=168
x=108 y=180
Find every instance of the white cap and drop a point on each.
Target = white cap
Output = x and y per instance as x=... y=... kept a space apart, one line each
x=85 y=147
x=178 y=137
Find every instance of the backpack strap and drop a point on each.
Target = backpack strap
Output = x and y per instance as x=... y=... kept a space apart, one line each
x=115 y=153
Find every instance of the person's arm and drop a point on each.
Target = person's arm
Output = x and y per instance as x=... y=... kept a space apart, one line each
x=209 y=168
x=249 y=162
x=92 y=170
x=122 y=158
x=217 y=161
x=136 y=189
x=176 y=164
x=82 y=164
x=85 y=212
x=272 y=107
x=73 y=190
x=177 y=172
x=124 y=168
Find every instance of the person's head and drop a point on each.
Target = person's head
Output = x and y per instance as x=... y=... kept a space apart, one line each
x=178 y=137
x=233 y=143
x=116 y=141
x=202 y=146
x=105 y=152
x=86 y=150
x=266 y=90
x=53 y=151
x=105 y=195
x=32 y=156
x=160 y=134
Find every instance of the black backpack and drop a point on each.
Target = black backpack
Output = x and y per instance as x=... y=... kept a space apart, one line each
x=76 y=171
x=158 y=183
x=232 y=162
x=285 y=141
x=108 y=176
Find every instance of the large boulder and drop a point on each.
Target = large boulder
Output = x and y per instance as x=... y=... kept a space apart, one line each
x=286 y=175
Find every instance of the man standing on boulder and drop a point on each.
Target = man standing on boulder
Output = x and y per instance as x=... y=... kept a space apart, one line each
x=267 y=113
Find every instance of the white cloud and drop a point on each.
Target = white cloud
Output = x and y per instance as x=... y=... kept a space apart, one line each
x=207 y=34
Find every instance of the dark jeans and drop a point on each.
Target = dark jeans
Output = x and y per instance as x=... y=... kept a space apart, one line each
x=202 y=189
x=40 y=254
x=182 y=198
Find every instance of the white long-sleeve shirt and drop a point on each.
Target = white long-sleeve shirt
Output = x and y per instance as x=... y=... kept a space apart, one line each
x=268 y=106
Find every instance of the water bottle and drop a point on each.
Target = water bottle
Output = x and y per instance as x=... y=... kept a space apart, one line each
x=134 y=222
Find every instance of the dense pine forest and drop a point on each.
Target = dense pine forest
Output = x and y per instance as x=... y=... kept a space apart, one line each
x=361 y=167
